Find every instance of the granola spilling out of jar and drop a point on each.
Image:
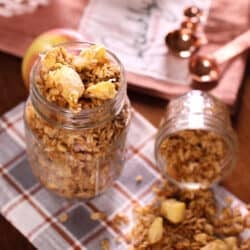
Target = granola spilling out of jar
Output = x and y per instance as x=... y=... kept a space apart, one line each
x=77 y=162
x=184 y=219
x=193 y=156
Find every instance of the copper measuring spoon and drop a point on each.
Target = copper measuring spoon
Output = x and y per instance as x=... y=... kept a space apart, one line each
x=194 y=14
x=205 y=69
x=182 y=42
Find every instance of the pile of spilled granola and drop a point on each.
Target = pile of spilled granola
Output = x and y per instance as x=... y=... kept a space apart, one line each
x=194 y=156
x=77 y=162
x=181 y=219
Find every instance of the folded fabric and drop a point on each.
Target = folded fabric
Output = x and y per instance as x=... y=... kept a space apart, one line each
x=36 y=213
x=137 y=28
x=137 y=37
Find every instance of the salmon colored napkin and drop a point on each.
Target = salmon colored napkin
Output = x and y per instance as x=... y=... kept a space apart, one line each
x=226 y=20
x=17 y=32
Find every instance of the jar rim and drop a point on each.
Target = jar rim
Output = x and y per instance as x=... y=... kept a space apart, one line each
x=85 y=112
x=196 y=102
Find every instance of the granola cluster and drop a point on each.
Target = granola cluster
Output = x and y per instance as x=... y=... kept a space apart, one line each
x=78 y=81
x=77 y=163
x=187 y=220
x=193 y=156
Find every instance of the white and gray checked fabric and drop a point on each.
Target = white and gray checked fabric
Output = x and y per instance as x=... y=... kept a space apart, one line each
x=34 y=211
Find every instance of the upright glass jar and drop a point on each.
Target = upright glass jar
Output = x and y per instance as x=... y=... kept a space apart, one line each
x=76 y=154
x=195 y=146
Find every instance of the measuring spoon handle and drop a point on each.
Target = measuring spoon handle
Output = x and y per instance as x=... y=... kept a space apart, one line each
x=233 y=48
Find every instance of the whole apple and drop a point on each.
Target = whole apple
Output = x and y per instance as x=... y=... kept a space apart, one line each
x=44 y=42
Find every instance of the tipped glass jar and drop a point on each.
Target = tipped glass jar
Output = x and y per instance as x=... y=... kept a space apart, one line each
x=76 y=134
x=196 y=146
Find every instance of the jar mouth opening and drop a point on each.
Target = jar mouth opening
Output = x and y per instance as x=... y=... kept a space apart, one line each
x=85 y=112
x=228 y=162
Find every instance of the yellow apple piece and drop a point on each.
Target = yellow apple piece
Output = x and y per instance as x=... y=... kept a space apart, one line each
x=96 y=52
x=155 y=231
x=69 y=82
x=92 y=55
x=102 y=90
x=44 y=42
x=173 y=210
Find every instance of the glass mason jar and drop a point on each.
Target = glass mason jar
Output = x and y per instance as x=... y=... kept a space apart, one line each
x=76 y=155
x=195 y=146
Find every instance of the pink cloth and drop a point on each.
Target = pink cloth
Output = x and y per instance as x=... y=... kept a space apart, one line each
x=227 y=19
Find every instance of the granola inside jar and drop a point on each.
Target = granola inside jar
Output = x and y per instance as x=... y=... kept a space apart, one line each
x=196 y=146
x=76 y=119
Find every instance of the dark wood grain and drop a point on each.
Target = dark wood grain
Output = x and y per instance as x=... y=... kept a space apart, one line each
x=12 y=92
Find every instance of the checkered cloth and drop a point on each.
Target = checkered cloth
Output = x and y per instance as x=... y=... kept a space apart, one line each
x=35 y=212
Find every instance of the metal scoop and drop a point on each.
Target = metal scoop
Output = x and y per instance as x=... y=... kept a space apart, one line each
x=205 y=68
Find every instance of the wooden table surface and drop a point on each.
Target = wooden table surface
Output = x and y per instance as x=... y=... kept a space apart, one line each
x=12 y=92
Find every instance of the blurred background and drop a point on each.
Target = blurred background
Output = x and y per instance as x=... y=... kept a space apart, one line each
x=136 y=31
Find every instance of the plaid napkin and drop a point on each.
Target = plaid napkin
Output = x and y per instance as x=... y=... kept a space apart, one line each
x=35 y=212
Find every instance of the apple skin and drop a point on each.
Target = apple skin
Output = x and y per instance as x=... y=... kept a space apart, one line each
x=44 y=42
